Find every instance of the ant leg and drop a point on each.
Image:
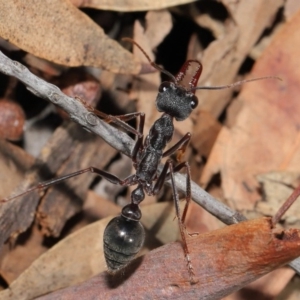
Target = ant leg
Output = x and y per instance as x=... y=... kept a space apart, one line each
x=118 y=120
x=139 y=143
x=180 y=146
x=181 y=226
x=162 y=177
x=43 y=185
x=286 y=205
x=188 y=196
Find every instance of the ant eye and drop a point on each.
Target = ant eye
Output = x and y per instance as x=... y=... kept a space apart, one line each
x=164 y=86
x=194 y=102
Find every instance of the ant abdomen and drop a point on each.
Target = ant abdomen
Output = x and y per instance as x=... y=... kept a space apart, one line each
x=123 y=239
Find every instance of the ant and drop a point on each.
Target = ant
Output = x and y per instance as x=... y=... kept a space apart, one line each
x=124 y=235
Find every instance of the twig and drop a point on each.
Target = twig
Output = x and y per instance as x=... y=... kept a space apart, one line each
x=76 y=110
x=114 y=137
x=217 y=277
x=286 y=205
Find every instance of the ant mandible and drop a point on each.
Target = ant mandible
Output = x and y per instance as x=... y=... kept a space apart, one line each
x=124 y=235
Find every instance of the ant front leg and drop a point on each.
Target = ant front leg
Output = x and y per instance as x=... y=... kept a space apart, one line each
x=110 y=177
x=120 y=121
x=159 y=183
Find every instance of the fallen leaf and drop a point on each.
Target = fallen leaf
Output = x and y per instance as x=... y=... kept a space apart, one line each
x=56 y=268
x=65 y=35
x=275 y=187
x=158 y=26
x=129 y=5
x=292 y=291
x=265 y=136
x=58 y=155
x=224 y=56
x=14 y=162
x=205 y=133
x=290 y=8
x=17 y=259
x=266 y=287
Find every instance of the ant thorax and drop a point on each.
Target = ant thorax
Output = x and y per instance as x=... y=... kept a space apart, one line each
x=161 y=132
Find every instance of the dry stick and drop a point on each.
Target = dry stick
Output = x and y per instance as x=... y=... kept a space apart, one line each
x=119 y=140
x=286 y=205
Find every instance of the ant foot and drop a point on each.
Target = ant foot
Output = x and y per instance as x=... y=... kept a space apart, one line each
x=191 y=271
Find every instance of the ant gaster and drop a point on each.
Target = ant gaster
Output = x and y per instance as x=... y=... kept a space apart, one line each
x=124 y=235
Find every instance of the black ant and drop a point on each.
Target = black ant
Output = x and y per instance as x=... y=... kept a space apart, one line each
x=124 y=235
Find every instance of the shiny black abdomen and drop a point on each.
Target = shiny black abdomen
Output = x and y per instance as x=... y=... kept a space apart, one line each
x=123 y=239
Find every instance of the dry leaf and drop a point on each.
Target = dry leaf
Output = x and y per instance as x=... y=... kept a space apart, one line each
x=224 y=56
x=265 y=136
x=129 y=5
x=59 y=32
x=290 y=8
x=17 y=259
x=14 y=162
x=292 y=291
x=147 y=87
x=56 y=268
x=205 y=133
x=158 y=26
x=266 y=287
x=277 y=186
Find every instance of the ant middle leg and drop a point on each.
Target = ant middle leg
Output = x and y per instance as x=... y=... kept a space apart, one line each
x=120 y=121
x=188 y=196
x=159 y=183
x=45 y=184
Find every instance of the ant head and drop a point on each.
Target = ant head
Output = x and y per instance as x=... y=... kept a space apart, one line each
x=175 y=100
x=173 y=97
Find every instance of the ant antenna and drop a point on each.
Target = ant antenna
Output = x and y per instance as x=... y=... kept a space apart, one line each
x=153 y=64
x=178 y=78
x=222 y=87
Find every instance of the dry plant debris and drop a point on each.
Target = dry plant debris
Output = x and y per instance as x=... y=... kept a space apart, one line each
x=269 y=115
x=74 y=39
x=258 y=251
x=244 y=149
x=129 y=5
